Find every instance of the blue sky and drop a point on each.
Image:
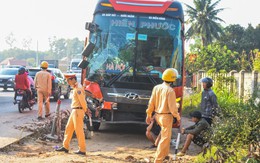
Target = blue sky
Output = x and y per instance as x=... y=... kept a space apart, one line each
x=42 y=19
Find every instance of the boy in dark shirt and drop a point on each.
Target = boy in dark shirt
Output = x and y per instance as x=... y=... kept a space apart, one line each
x=196 y=132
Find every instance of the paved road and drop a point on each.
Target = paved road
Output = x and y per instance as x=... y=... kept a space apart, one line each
x=10 y=117
x=119 y=141
x=8 y=109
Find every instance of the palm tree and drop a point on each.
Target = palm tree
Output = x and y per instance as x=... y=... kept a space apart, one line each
x=204 y=21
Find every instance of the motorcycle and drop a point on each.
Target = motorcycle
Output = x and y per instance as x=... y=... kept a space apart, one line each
x=22 y=100
x=94 y=105
x=34 y=92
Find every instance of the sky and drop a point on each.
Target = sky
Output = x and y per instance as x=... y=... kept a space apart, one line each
x=40 y=20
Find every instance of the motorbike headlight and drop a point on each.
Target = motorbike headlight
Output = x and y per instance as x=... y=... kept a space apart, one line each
x=89 y=100
x=178 y=102
x=178 y=105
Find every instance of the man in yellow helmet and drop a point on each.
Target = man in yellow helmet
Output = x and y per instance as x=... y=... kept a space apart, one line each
x=75 y=122
x=43 y=86
x=163 y=103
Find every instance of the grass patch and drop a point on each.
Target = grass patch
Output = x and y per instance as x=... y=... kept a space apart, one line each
x=214 y=153
x=191 y=103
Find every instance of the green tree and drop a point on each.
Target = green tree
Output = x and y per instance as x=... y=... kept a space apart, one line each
x=204 y=21
x=244 y=61
x=74 y=47
x=257 y=36
x=233 y=37
x=214 y=58
x=240 y=39
x=21 y=54
x=58 y=47
x=256 y=62
x=250 y=40
x=64 y=47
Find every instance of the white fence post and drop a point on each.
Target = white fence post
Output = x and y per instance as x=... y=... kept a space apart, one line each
x=241 y=84
x=200 y=74
x=231 y=84
x=254 y=82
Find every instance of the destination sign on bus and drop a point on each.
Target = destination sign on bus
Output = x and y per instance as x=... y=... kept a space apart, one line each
x=157 y=25
x=122 y=23
x=143 y=24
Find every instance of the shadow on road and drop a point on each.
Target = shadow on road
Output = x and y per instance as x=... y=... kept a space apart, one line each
x=133 y=129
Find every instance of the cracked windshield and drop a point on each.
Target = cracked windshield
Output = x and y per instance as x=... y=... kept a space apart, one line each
x=143 y=45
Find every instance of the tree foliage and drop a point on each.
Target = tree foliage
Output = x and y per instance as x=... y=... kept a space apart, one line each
x=21 y=54
x=256 y=62
x=233 y=131
x=212 y=58
x=57 y=47
x=204 y=21
x=217 y=58
x=60 y=48
x=240 y=39
x=237 y=49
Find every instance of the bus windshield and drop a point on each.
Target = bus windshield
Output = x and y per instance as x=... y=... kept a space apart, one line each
x=138 y=44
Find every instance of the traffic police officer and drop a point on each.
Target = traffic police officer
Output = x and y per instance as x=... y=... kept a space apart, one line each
x=75 y=122
x=163 y=103
x=43 y=86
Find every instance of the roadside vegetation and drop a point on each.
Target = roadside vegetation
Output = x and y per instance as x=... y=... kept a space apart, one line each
x=217 y=48
x=235 y=136
x=235 y=133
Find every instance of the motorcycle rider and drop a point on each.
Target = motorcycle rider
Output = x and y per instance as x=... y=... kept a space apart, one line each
x=22 y=83
x=30 y=79
x=43 y=86
x=31 y=83
x=209 y=104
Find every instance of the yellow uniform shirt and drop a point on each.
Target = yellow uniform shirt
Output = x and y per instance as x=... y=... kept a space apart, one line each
x=163 y=100
x=78 y=98
x=42 y=81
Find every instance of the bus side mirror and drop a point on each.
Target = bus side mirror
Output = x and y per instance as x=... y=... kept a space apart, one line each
x=88 y=49
x=83 y=64
x=92 y=27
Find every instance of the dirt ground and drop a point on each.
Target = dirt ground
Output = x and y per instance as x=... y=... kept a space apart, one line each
x=113 y=143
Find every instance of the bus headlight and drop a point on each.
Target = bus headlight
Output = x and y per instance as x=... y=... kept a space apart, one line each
x=114 y=106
